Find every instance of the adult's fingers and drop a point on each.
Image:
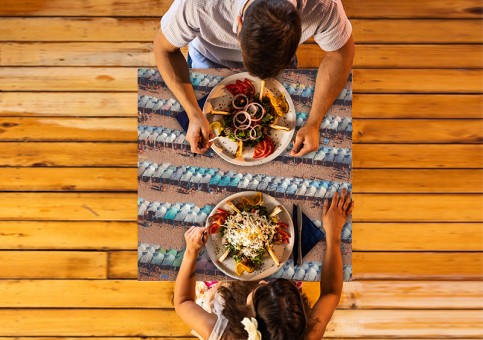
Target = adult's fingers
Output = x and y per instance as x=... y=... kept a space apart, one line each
x=206 y=135
x=305 y=150
x=190 y=230
x=297 y=145
x=325 y=208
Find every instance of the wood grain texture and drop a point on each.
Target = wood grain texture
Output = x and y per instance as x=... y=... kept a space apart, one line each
x=417 y=156
x=417 y=106
x=419 y=266
x=68 y=179
x=68 y=207
x=122 y=207
x=416 y=181
x=309 y=55
x=17 y=104
x=366 y=265
x=125 y=79
x=417 y=81
x=87 y=104
x=52 y=265
x=68 y=129
x=136 y=29
x=72 y=154
x=125 y=154
x=65 y=235
x=424 y=131
x=70 y=235
x=123 y=179
x=353 y=8
x=146 y=322
x=417 y=131
x=430 y=236
x=400 y=56
x=68 y=79
x=418 y=208
x=133 y=294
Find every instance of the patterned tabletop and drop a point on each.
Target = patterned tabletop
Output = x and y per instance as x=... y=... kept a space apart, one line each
x=178 y=190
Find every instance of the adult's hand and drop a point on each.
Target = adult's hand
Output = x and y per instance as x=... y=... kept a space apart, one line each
x=335 y=215
x=199 y=133
x=306 y=140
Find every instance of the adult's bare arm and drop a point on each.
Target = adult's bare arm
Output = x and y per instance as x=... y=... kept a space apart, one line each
x=175 y=72
x=333 y=72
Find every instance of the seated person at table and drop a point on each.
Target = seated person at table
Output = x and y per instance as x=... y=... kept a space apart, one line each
x=264 y=310
x=261 y=36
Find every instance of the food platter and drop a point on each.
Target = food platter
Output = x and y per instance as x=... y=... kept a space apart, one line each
x=220 y=99
x=267 y=266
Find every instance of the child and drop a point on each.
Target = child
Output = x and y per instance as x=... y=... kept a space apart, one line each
x=264 y=310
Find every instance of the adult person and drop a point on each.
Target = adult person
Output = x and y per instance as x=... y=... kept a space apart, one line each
x=262 y=36
x=270 y=310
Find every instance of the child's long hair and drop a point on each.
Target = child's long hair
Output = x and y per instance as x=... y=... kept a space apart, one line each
x=281 y=310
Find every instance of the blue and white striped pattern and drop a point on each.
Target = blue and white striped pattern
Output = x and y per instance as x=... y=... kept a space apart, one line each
x=213 y=179
x=186 y=214
x=169 y=259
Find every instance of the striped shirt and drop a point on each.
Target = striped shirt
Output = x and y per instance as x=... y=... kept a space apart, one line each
x=210 y=27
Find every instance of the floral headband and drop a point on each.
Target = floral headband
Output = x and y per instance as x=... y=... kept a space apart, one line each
x=251 y=326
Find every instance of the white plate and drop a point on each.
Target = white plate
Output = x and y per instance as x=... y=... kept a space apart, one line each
x=219 y=99
x=215 y=248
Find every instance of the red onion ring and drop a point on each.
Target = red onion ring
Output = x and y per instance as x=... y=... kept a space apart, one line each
x=236 y=97
x=253 y=114
x=242 y=123
x=254 y=129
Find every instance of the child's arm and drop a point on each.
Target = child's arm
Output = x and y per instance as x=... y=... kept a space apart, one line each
x=184 y=291
x=331 y=279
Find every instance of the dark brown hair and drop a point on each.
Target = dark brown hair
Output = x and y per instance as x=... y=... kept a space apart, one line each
x=269 y=37
x=281 y=310
x=235 y=296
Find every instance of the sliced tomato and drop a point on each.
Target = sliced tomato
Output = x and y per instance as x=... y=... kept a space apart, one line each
x=213 y=228
x=233 y=89
x=242 y=86
x=269 y=146
x=250 y=87
x=260 y=149
x=282 y=226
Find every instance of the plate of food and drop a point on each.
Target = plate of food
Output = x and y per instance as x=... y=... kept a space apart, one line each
x=253 y=120
x=250 y=235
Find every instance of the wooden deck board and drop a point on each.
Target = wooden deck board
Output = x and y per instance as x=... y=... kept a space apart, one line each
x=111 y=104
x=125 y=79
x=141 y=54
x=115 y=154
x=133 y=294
x=122 y=207
x=53 y=265
x=366 y=265
x=150 y=8
x=68 y=87
x=135 y=29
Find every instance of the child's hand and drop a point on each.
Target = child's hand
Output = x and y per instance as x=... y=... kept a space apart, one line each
x=334 y=217
x=195 y=238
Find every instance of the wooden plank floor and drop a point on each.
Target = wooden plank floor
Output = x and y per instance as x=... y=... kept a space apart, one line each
x=68 y=232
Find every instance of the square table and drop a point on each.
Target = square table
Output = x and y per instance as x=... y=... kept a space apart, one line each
x=178 y=190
